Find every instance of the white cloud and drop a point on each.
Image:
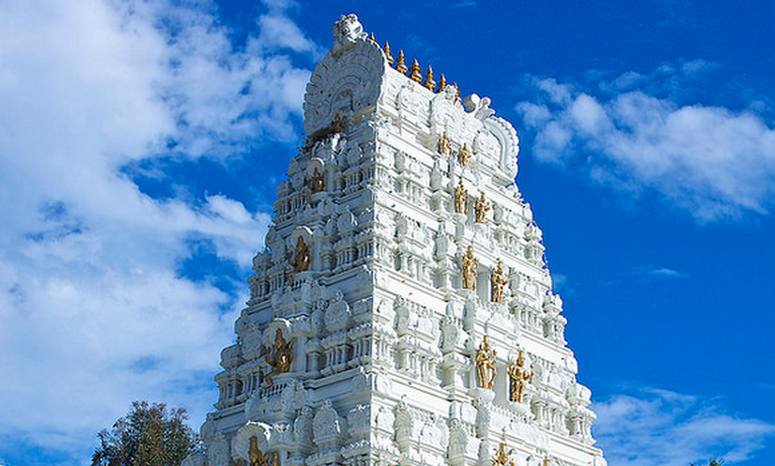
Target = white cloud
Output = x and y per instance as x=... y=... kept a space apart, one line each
x=663 y=428
x=94 y=313
x=710 y=161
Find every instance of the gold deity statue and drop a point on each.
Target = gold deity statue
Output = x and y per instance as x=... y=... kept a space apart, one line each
x=461 y=198
x=317 y=183
x=470 y=264
x=258 y=458
x=497 y=283
x=445 y=148
x=301 y=259
x=502 y=458
x=485 y=364
x=464 y=155
x=480 y=208
x=519 y=376
x=282 y=358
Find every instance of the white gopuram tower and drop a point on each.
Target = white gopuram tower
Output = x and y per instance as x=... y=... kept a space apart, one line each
x=402 y=312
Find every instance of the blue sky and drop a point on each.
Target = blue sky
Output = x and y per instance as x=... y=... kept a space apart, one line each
x=141 y=142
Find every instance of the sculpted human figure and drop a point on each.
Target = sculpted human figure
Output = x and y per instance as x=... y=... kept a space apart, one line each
x=485 y=364
x=464 y=155
x=497 y=283
x=481 y=208
x=519 y=376
x=317 y=183
x=461 y=198
x=302 y=258
x=470 y=264
x=255 y=455
x=502 y=458
x=283 y=356
x=445 y=148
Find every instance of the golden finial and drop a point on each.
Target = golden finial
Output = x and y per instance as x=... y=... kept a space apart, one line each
x=415 y=72
x=373 y=39
x=429 y=84
x=389 y=57
x=457 y=92
x=442 y=83
x=401 y=63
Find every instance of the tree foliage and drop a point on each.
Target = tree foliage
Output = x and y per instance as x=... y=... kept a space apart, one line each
x=149 y=435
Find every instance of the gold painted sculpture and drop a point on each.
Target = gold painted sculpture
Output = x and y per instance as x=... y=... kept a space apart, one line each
x=301 y=259
x=461 y=198
x=258 y=458
x=502 y=458
x=481 y=207
x=401 y=63
x=485 y=364
x=389 y=57
x=283 y=356
x=470 y=264
x=464 y=155
x=429 y=83
x=415 y=72
x=442 y=83
x=317 y=183
x=445 y=148
x=497 y=283
x=519 y=376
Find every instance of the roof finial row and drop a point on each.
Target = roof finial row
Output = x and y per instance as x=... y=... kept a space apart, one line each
x=415 y=71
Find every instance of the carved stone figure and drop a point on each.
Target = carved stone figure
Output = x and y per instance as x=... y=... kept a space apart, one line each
x=445 y=148
x=470 y=264
x=464 y=155
x=317 y=183
x=481 y=208
x=497 y=283
x=283 y=356
x=519 y=376
x=502 y=458
x=302 y=258
x=461 y=198
x=485 y=364
x=346 y=31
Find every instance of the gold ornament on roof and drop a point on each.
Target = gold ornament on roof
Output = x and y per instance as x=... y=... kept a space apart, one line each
x=481 y=207
x=429 y=83
x=445 y=147
x=401 y=63
x=502 y=458
x=485 y=364
x=317 y=183
x=470 y=266
x=442 y=83
x=457 y=92
x=302 y=258
x=498 y=283
x=464 y=155
x=461 y=198
x=519 y=376
x=415 y=72
x=373 y=39
x=389 y=57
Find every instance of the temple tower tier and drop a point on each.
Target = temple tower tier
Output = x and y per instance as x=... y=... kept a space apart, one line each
x=401 y=312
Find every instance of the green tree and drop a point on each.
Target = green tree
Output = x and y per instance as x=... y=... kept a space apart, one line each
x=149 y=435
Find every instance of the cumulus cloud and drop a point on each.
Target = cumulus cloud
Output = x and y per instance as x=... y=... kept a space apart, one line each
x=710 y=161
x=651 y=427
x=94 y=309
